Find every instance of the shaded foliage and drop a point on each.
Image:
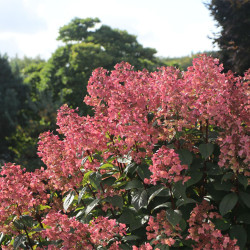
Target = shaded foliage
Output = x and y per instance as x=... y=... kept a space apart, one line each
x=233 y=19
x=12 y=101
x=38 y=116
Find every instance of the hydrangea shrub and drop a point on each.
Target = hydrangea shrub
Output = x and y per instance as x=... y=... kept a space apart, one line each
x=163 y=164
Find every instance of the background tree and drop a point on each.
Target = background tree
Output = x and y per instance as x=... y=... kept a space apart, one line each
x=38 y=116
x=86 y=48
x=184 y=62
x=64 y=77
x=232 y=18
x=12 y=101
x=19 y=64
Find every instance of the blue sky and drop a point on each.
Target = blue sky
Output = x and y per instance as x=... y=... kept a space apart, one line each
x=172 y=27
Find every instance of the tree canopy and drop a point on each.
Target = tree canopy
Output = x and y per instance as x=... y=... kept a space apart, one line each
x=232 y=17
x=12 y=100
x=88 y=47
x=64 y=77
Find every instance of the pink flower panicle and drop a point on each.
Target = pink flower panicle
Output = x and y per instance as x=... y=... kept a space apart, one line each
x=76 y=235
x=166 y=165
x=146 y=246
x=123 y=99
x=202 y=230
x=159 y=226
x=21 y=192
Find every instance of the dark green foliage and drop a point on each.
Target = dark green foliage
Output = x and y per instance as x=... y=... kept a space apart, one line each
x=12 y=101
x=19 y=64
x=77 y=29
x=232 y=17
x=39 y=115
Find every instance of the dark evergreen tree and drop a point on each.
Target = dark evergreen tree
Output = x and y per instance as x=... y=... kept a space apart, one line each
x=233 y=19
x=12 y=100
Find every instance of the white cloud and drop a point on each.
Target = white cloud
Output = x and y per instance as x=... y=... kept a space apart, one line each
x=174 y=28
x=16 y=16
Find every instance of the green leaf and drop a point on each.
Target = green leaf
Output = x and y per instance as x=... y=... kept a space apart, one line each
x=228 y=203
x=185 y=201
x=43 y=207
x=143 y=171
x=162 y=247
x=166 y=204
x=119 y=184
x=150 y=116
x=1 y=238
x=213 y=135
x=135 y=224
x=163 y=193
x=95 y=180
x=82 y=192
x=138 y=222
x=130 y=238
x=130 y=168
x=227 y=176
x=115 y=200
x=18 y=224
x=185 y=156
x=206 y=150
x=213 y=169
x=68 y=200
x=183 y=224
x=124 y=246
x=221 y=224
x=127 y=217
x=238 y=232
x=84 y=160
x=18 y=241
x=195 y=177
x=107 y=166
x=245 y=197
x=134 y=184
x=98 y=157
x=139 y=199
x=52 y=195
x=173 y=216
x=243 y=180
x=125 y=159
x=179 y=190
x=109 y=181
x=153 y=195
x=27 y=220
x=86 y=177
x=91 y=206
x=197 y=164
x=142 y=150
x=244 y=218
x=225 y=186
x=37 y=230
